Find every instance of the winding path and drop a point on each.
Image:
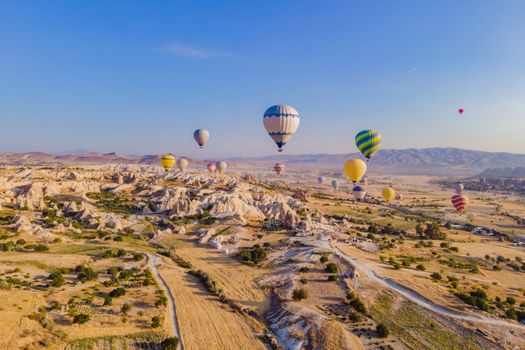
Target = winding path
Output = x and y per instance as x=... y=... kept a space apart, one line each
x=418 y=298
x=153 y=262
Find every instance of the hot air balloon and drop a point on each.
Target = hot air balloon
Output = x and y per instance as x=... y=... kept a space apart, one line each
x=281 y=123
x=334 y=185
x=460 y=202
x=182 y=164
x=389 y=193
x=355 y=169
x=167 y=161
x=368 y=142
x=221 y=166
x=320 y=180
x=279 y=168
x=458 y=187
x=364 y=181
x=460 y=111
x=211 y=167
x=201 y=136
x=359 y=192
x=399 y=197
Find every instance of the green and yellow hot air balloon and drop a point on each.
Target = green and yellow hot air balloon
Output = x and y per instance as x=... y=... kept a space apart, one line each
x=167 y=161
x=355 y=169
x=368 y=142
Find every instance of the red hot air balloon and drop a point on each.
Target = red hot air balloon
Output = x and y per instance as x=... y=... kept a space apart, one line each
x=278 y=167
x=211 y=167
x=461 y=110
x=460 y=202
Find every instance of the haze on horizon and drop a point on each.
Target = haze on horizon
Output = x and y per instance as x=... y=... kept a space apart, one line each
x=139 y=77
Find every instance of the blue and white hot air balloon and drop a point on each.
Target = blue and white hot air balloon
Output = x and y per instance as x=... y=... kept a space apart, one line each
x=281 y=123
x=201 y=136
x=359 y=192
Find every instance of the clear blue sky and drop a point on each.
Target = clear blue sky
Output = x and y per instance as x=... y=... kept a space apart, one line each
x=137 y=77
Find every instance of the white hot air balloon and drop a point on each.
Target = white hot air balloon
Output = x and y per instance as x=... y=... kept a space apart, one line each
x=182 y=164
x=221 y=166
x=334 y=185
x=458 y=187
x=320 y=180
x=281 y=122
x=201 y=136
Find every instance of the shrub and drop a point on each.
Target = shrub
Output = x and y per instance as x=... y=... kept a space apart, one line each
x=332 y=278
x=421 y=267
x=323 y=259
x=85 y=273
x=254 y=255
x=81 y=318
x=171 y=343
x=358 y=305
x=155 y=322
x=304 y=269
x=436 y=276
x=41 y=248
x=299 y=294
x=382 y=330
x=125 y=308
x=117 y=292
x=331 y=268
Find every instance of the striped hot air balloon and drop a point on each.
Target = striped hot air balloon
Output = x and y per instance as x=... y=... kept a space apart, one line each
x=368 y=142
x=359 y=192
x=320 y=180
x=278 y=168
x=460 y=202
x=458 y=187
x=182 y=164
x=355 y=169
x=201 y=136
x=211 y=167
x=221 y=166
x=167 y=161
x=281 y=123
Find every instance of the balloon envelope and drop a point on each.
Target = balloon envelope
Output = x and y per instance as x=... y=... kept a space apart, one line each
x=368 y=142
x=211 y=167
x=201 y=136
x=460 y=202
x=221 y=166
x=359 y=192
x=355 y=169
x=167 y=161
x=320 y=180
x=278 y=168
x=461 y=110
x=281 y=122
x=364 y=181
x=334 y=184
x=399 y=197
x=389 y=193
x=182 y=164
x=458 y=187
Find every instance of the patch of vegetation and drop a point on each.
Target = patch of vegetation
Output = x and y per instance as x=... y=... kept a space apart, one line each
x=253 y=256
x=299 y=294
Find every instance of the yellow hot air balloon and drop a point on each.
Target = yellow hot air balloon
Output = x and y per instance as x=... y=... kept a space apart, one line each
x=355 y=169
x=167 y=161
x=389 y=193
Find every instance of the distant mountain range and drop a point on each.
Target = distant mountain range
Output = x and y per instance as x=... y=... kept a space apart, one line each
x=502 y=173
x=427 y=161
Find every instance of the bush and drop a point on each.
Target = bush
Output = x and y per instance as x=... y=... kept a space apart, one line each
x=382 y=330
x=41 y=248
x=117 y=292
x=85 y=273
x=299 y=294
x=323 y=259
x=331 y=268
x=254 y=255
x=171 y=343
x=81 y=318
x=332 y=278
x=155 y=322
x=304 y=269
x=436 y=276
x=421 y=267
x=125 y=308
x=358 y=305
